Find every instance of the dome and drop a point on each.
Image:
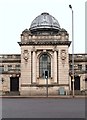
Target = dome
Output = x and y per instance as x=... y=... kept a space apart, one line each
x=44 y=22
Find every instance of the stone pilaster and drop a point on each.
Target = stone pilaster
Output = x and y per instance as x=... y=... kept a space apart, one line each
x=34 y=67
x=55 y=66
x=25 y=70
x=63 y=67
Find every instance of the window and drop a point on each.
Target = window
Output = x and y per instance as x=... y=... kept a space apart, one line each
x=79 y=67
x=9 y=56
x=44 y=64
x=85 y=67
x=17 y=67
x=86 y=79
x=1 y=69
x=70 y=67
x=9 y=67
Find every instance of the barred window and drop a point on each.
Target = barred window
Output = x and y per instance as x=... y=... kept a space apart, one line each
x=44 y=64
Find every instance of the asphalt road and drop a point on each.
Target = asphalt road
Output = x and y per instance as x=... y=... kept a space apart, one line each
x=43 y=108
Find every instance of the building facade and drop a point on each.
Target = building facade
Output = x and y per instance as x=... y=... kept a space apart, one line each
x=44 y=64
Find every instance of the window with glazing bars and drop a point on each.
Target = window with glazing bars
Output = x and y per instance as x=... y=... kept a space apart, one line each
x=44 y=64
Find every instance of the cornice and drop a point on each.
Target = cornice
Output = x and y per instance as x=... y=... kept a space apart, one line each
x=45 y=43
x=10 y=61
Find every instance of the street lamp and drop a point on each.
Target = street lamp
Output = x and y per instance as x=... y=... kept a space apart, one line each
x=72 y=48
x=46 y=77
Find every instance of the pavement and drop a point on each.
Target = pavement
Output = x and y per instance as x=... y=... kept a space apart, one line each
x=59 y=96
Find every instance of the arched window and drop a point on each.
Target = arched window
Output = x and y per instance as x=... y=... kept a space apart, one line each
x=44 y=65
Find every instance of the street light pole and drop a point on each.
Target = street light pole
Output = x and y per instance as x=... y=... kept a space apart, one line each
x=47 y=85
x=72 y=49
x=46 y=77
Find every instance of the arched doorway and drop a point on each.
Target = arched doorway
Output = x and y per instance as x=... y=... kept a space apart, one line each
x=44 y=65
x=76 y=83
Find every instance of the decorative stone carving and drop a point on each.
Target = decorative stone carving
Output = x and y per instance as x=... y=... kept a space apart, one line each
x=34 y=49
x=63 y=56
x=26 y=55
x=44 y=50
x=55 y=48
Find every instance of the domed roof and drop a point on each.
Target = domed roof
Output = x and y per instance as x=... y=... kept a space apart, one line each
x=44 y=21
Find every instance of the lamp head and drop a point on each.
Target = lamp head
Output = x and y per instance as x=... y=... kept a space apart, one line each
x=70 y=6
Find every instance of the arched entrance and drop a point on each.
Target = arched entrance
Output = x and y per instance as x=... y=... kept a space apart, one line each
x=76 y=83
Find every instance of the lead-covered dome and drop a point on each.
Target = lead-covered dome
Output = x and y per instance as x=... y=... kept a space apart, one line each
x=44 y=22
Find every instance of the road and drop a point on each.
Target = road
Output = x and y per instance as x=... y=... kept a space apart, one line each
x=43 y=108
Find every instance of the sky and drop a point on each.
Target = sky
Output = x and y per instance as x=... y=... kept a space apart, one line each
x=17 y=15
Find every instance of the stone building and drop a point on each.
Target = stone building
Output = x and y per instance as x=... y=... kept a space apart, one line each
x=44 y=64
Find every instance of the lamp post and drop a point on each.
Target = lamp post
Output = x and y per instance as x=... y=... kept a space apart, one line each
x=46 y=77
x=72 y=49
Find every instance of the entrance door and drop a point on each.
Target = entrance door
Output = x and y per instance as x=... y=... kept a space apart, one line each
x=14 y=84
x=76 y=83
x=86 y=83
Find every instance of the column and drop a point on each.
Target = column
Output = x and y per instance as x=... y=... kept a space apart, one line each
x=34 y=67
x=55 y=67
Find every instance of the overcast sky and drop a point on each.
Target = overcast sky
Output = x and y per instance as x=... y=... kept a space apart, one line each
x=17 y=15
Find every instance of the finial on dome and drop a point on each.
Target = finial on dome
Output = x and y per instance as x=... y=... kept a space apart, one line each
x=44 y=13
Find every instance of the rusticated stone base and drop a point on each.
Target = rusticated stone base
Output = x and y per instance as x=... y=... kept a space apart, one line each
x=42 y=91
